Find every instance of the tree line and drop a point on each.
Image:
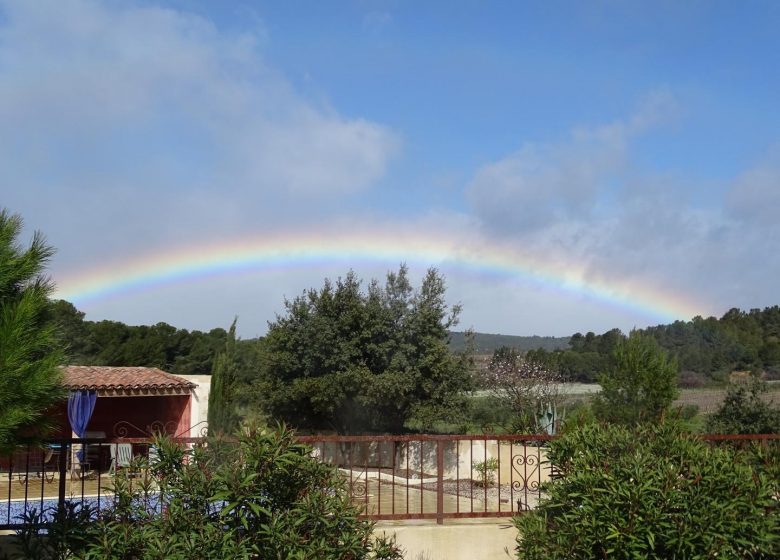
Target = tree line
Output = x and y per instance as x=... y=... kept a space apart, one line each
x=706 y=349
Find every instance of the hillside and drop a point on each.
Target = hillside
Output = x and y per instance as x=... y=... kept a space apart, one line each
x=486 y=343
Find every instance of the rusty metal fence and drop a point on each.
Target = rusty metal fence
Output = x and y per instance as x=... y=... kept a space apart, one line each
x=433 y=477
x=39 y=478
x=439 y=477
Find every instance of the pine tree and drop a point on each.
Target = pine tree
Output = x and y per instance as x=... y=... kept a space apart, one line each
x=641 y=385
x=30 y=380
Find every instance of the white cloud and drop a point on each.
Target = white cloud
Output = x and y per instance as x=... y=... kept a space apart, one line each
x=544 y=183
x=755 y=195
x=586 y=201
x=158 y=116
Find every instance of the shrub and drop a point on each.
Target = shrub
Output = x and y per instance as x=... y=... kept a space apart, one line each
x=651 y=492
x=692 y=379
x=743 y=411
x=262 y=497
x=486 y=472
x=55 y=533
x=580 y=413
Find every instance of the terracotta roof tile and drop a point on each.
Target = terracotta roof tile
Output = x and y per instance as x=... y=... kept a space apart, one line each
x=79 y=378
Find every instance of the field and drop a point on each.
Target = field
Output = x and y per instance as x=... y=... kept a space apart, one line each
x=707 y=399
x=487 y=412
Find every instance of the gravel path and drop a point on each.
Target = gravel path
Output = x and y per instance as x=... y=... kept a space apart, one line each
x=469 y=489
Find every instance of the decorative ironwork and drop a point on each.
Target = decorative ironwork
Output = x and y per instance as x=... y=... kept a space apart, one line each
x=160 y=428
x=520 y=465
x=488 y=430
x=201 y=432
x=124 y=429
x=358 y=489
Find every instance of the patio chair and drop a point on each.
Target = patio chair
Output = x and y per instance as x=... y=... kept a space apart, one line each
x=34 y=462
x=121 y=456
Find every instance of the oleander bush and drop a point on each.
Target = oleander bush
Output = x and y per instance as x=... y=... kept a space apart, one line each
x=261 y=498
x=651 y=492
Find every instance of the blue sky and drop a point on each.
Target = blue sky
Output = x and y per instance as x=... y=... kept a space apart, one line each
x=638 y=141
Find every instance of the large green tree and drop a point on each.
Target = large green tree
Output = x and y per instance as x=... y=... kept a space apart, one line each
x=350 y=360
x=640 y=386
x=30 y=381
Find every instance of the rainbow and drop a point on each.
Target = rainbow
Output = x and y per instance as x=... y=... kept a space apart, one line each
x=289 y=250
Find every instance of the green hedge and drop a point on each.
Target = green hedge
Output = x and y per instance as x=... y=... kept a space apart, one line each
x=651 y=492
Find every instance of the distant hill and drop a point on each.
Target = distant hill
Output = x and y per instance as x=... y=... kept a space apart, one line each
x=486 y=343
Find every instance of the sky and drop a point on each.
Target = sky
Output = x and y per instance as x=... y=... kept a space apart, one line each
x=567 y=166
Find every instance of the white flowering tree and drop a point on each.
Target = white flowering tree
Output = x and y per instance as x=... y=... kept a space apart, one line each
x=530 y=389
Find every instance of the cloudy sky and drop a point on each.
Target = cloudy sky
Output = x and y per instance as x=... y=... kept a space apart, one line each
x=568 y=166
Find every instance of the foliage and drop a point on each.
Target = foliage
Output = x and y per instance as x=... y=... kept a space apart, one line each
x=30 y=382
x=112 y=343
x=711 y=347
x=743 y=411
x=262 y=497
x=640 y=386
x=486 y=413
x=354 y=361
x=652 y=492
x=486 y=472
x=223 y=406
x=578 y=415
x=528 y=388
x=56 y=533
x=485 y=343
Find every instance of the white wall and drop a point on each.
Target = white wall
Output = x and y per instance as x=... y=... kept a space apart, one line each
x=490 y=540
x=200 y=403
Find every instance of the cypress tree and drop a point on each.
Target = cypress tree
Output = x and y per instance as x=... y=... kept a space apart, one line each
x=222 y=414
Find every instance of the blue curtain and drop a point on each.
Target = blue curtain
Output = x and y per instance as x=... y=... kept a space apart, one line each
x=81 y=404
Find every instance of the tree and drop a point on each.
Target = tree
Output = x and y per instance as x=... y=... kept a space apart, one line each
x=652 y=492
x=223 y=414
x=529 y=388
x=349 y=360
x=743 y=411
x=30 y=381
x=640 y=386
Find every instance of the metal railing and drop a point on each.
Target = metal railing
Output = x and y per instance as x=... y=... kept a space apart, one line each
x=439 y=477
x=38 y=478
x=390 y=477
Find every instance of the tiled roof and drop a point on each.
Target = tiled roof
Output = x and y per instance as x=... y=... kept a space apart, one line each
x=101 y=378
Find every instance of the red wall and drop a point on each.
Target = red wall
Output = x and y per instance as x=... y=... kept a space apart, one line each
x=172 y=411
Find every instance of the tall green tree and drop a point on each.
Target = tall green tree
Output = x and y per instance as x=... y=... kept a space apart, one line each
x=30 y=381
x=352 y=361
x=223 y=414
x=640 y=386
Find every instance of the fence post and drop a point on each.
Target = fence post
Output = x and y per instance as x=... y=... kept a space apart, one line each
x=63 y=468
x=439 y=482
